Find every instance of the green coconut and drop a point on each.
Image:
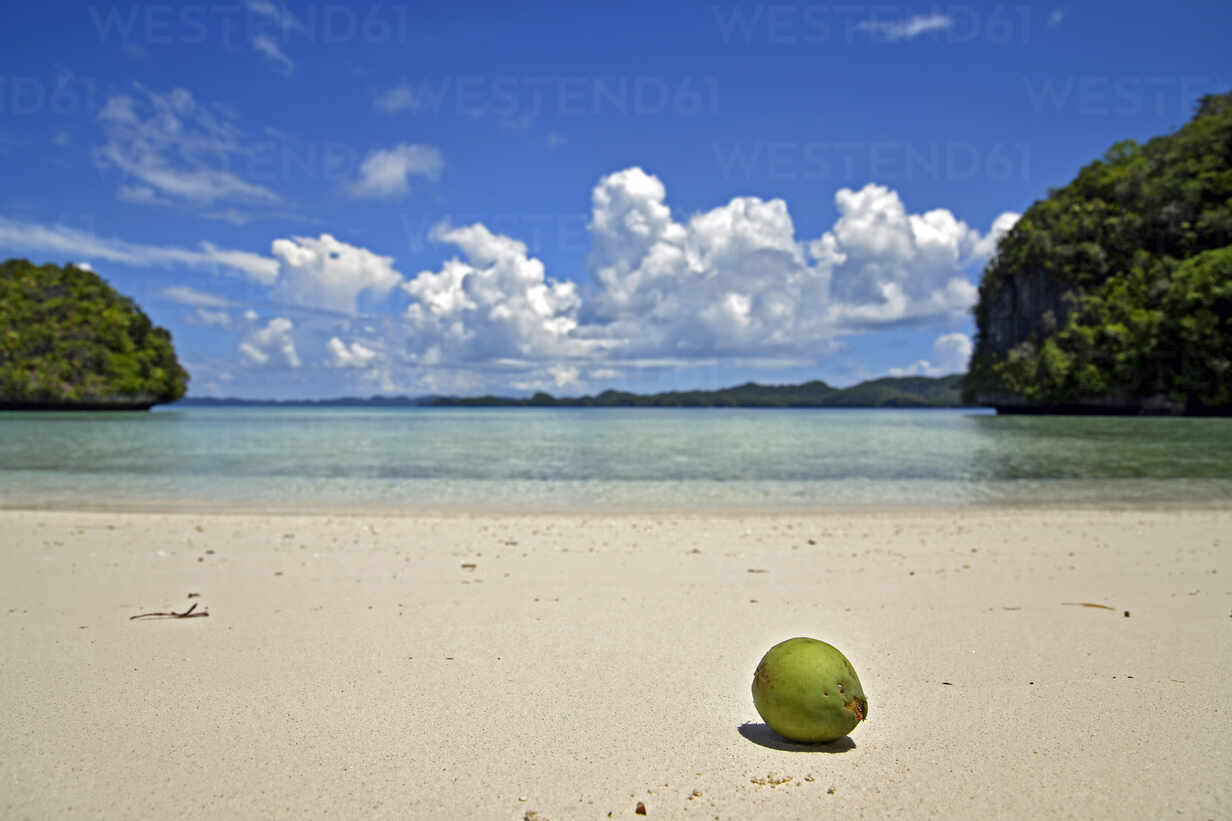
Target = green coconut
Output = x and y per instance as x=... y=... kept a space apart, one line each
x=807 y=691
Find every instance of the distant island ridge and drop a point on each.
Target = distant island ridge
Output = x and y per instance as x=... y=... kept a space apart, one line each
x=887 y=392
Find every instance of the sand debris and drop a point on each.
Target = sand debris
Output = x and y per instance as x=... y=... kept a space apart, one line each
x=772 y=780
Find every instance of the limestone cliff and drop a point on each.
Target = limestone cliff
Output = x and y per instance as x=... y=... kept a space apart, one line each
x=1114 y=294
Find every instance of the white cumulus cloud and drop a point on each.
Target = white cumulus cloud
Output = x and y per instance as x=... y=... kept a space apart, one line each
x=564 y=375
x=951 y=353
x=1001 y=226
x=734 y=283
x=731 y=280
x=355 y=355
x=737 y=280
x=386 y=172
x=495 y=303
x=888 y=265
x=327 y=273
x=272 y=345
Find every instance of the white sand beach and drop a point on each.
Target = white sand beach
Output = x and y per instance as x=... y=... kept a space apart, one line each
x=572 y=666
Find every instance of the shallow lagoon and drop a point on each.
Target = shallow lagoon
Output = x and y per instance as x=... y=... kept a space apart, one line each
x=604 y=459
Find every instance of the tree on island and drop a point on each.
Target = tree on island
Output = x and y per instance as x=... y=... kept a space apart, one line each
x=69 y=340
x=1115 y=292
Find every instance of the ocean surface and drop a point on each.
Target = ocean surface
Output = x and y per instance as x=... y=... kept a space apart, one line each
x=530 y=459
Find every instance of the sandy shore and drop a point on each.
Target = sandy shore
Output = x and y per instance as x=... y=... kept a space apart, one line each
x=572 y=666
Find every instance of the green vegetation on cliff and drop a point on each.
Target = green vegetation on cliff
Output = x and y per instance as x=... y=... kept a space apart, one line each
x=67 y=339
x=1116 y=290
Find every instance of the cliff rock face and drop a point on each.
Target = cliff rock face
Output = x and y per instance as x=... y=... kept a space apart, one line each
x=1029 y=306
x=68 y=341
x=1034 y=306
x=1114 y=294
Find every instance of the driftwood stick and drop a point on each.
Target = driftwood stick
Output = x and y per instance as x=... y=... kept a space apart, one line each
x=187 y=614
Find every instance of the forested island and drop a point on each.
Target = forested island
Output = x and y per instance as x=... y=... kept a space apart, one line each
x=69 y=341
x=1114 y=294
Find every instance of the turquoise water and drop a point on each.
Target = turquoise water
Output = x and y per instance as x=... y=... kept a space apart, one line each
x=419 y=459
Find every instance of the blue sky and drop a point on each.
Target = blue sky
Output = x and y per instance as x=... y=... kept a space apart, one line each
x=330 y=198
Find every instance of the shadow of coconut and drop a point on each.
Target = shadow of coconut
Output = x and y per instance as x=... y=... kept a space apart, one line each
x=762 y=735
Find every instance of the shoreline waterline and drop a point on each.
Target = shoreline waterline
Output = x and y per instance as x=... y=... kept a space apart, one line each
x=1148 y=499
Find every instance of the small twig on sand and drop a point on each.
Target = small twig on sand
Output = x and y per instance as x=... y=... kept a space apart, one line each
x=187 y=614
x=1088 y=604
